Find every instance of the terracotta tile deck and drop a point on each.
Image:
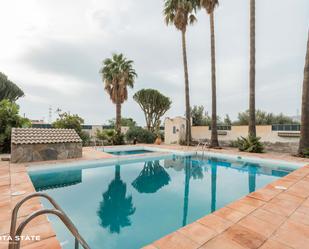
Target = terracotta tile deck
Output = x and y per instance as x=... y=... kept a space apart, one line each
x=269 y=218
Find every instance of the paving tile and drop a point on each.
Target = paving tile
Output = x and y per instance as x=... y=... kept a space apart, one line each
x=293 y=234
x=216 y=223
x=229 y=214
x=50 y=243
x=252 y=201
x=272 y=244
x=245 y=237
x=149 y=247
x=175 y=241
x=300 y=189
x=198 y=233
x=279 y=209
x=242 y=207
x=300 y=217
x=222 y=242
x=283 y=182
x=259 y=226
x=290 y=197
x=303 y=209
x=267 y=216
x=263 y=194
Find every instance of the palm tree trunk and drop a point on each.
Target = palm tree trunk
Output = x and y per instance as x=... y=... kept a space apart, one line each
x=118 y=117
x=304 y=133
x=214 y=133
x=252 y=128
x=187 y=93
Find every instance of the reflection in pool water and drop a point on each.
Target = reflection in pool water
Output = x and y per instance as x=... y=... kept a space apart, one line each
x=132 y=204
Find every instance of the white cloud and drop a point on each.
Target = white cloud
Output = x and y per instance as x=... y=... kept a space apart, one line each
x=53 y=50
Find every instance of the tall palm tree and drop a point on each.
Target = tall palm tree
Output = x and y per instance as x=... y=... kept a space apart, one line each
x=304 y=133
x=209 y=6
x=181 y=13
x=252 y=124
x=118 y=74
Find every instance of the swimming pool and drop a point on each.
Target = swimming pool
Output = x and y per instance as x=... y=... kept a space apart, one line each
x=129 y=152
x=130 y=204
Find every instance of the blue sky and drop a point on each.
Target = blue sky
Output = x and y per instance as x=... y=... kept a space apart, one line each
x=53 y=49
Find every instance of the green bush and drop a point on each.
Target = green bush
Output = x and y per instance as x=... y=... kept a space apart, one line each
x=9 y=118
x=118 y=139
x=142 y=135
x=250 y=144
x=110 y=137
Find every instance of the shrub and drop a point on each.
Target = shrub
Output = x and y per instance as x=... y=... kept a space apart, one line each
x=9 y=118
x=118 y=139
x=142 y=135
x=250 y=144
x=110 y=137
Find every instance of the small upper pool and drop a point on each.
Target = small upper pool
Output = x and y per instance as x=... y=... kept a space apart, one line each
x=129 y=152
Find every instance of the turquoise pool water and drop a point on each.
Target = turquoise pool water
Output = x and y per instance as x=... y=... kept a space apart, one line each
x=129 y=205
x=129 y=152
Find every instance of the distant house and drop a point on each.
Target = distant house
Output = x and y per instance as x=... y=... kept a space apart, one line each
x=39 y=144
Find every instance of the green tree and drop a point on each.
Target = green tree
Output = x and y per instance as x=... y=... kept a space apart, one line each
x=252 y=117
x=110 y=137
x=8 y=89
x=9 y=118
x=71 y=121
x=263 y=118
x=180 y=13
x=118 y=74
x=304 y=134
x=154 y=105
x=142 y=135
x=199 y=116
x=209 y=6
x=124 y=122
x=227 y=120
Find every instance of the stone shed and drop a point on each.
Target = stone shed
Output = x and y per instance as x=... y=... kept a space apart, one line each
x=35 y=144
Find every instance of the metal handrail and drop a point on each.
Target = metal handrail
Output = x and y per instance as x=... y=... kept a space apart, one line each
x=15 y=244
x=204 y=144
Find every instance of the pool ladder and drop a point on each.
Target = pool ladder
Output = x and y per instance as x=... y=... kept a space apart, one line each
x=204 y=146
x=15 y=243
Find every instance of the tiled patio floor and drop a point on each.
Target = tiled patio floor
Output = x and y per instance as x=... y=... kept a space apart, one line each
x=268 y=218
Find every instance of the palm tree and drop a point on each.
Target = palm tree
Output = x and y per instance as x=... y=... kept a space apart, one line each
x=304 y=138
x=252 y=124
x=118 y=74
x=116 y=206
x=209 y=6
x=181 y=13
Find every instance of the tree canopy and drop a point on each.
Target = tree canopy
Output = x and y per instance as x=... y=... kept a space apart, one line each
x=9 y=118
x=118 y=74
x=154 y=105
x=130 y=122
x=8 y=89
x=264 y=118
x=180 y=12
x=71 y=121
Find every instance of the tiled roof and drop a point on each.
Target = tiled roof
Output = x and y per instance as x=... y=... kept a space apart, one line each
x=44 y=136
